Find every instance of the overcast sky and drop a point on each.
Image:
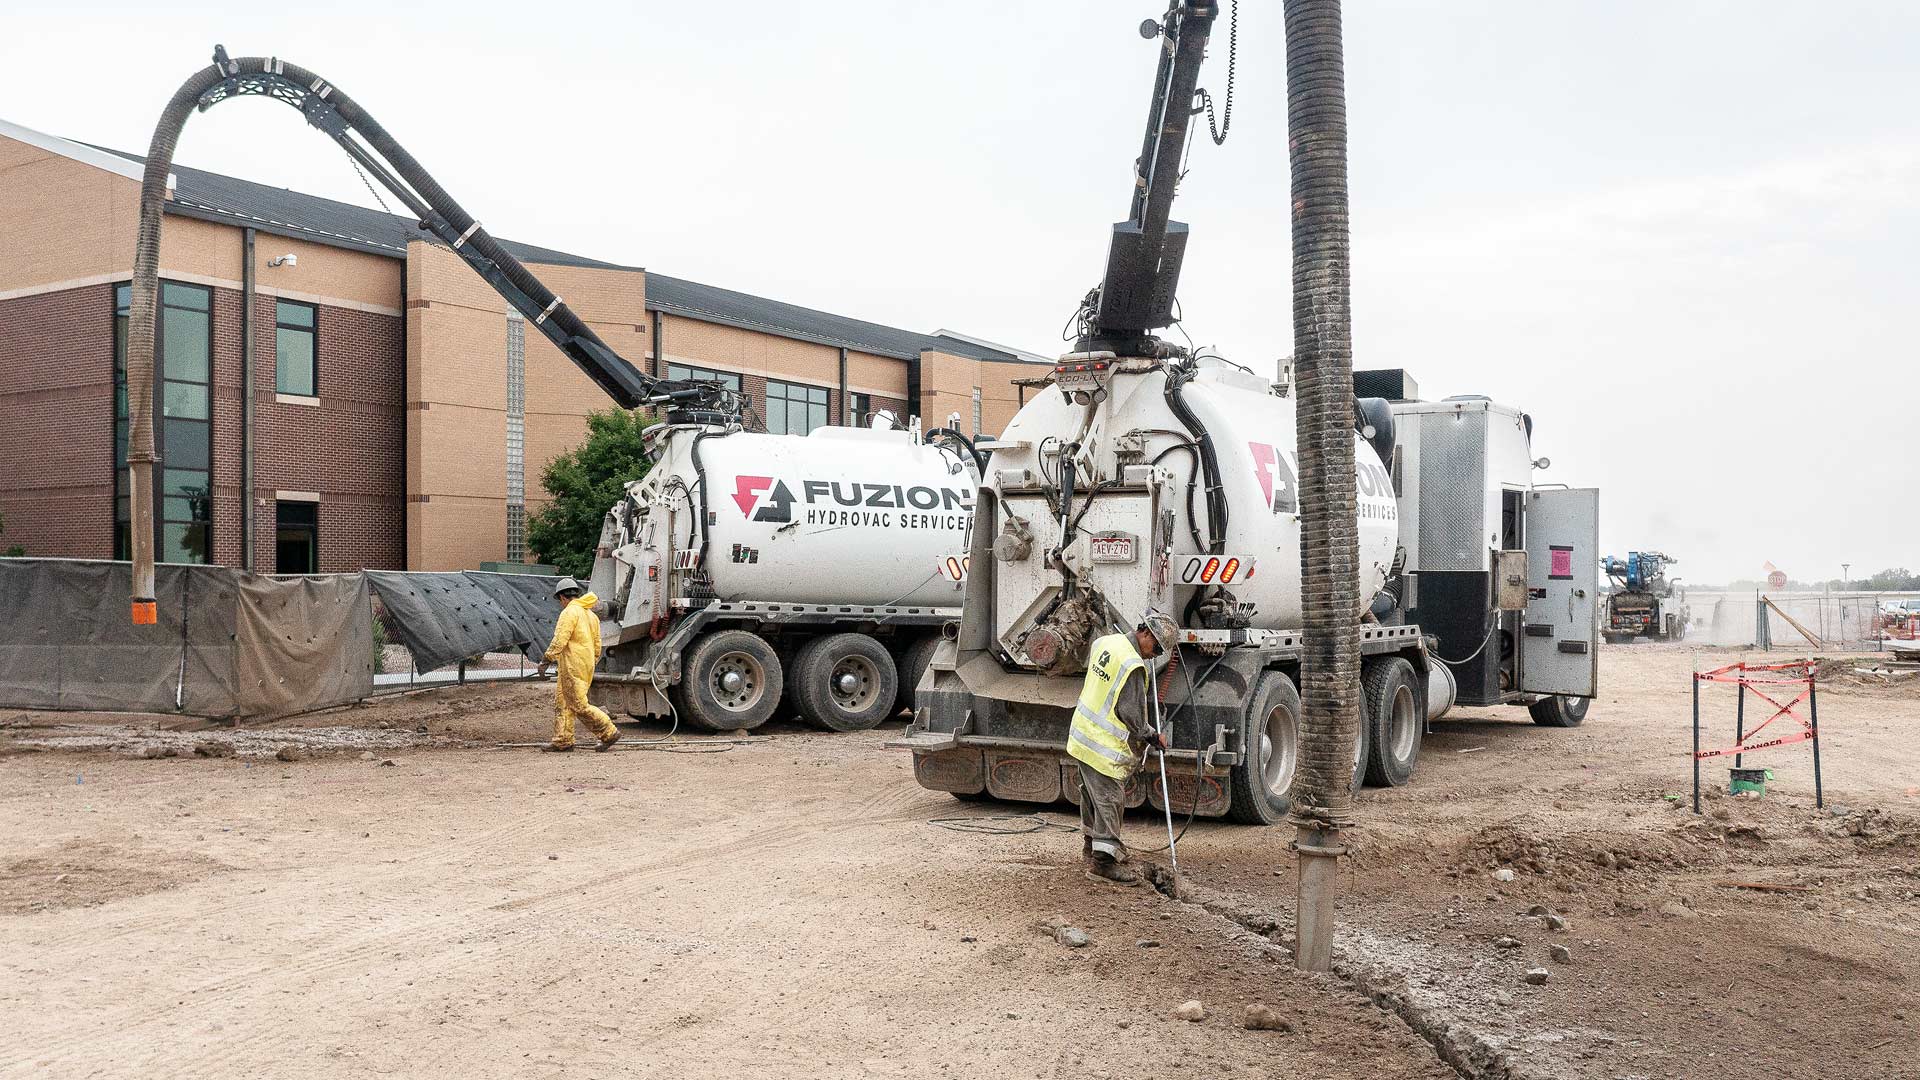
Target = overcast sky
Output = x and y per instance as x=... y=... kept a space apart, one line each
x=1681 y=234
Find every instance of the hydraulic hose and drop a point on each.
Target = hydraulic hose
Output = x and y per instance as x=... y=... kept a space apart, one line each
x=334 y=112
x=979 y=459
x=1209 y=460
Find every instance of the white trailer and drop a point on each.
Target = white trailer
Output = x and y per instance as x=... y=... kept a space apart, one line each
x=746 y=569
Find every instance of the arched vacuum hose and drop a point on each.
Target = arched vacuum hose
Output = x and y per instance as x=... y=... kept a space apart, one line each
x=979 y=459
x=339 y=116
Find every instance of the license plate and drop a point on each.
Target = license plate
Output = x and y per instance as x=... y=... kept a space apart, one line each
x=1113 y=549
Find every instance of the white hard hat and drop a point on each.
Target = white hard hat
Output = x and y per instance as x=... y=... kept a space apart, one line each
x=566 y=585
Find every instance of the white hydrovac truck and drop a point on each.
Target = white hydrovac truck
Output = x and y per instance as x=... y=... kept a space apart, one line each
x=748 y=568
x=1145 y=476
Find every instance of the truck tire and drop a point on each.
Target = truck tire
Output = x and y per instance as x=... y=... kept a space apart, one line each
x=1270 y=752
x=913 y=664
x=1259 y=785
x=1391 y=715
x=732 y=680
x=1558 y=711
x=845 y=682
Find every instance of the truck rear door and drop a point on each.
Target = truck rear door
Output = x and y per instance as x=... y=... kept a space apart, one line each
x=1558 y=654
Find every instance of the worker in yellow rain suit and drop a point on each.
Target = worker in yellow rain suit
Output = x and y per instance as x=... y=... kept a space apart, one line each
x=576 y=648
x=1110 y=718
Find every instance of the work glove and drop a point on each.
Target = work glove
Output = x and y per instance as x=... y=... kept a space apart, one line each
x=1159 y=742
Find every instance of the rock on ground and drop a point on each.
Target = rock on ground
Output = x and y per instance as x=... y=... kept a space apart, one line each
x=1190 y=1011
x=1072 y=937
x=1264 y=1018
x=1535 y=976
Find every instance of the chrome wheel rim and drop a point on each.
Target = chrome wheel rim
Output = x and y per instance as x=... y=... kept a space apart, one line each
x=1402 y=725
x=854 y=683
x=1279 y=751
x=737 y=681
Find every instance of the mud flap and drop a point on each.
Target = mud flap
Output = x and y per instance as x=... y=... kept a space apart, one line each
x=1214 y=796
x=961 y=771
x=1070 y=786
x=628 y=697
x=1023 y=777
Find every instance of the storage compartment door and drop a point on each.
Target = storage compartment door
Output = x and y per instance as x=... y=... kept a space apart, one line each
x=1557 y=650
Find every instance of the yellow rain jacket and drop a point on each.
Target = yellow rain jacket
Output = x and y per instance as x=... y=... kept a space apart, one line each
x=573 y=652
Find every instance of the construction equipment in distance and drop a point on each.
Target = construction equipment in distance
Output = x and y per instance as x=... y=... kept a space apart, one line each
x=1146 y=475
x=1641 y=600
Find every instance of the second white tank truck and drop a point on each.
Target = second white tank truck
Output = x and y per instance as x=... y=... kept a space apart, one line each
x=746 y=569
x=1145 y=476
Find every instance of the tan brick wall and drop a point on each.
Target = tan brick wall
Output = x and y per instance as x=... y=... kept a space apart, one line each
x=457 y=397
x=947 y=383
x=66 y=223
x=62 y=220
x=690 y=341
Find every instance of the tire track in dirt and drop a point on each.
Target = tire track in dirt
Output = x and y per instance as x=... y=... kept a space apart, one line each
x=357 y=937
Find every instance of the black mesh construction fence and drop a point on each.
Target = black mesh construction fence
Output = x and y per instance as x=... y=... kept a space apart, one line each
x=228 y=643
x=236 y=644
x=445 y=617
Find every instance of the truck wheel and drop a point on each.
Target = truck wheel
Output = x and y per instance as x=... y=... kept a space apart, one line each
x=845 y=682
x=1559 y=711
x=1270 y=733
x=1391 y=715
x=1269 y=752
x=732 y=680
x=913 y=664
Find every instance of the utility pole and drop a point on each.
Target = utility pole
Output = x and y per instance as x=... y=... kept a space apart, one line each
x=1329 y=540
x=1845 y=578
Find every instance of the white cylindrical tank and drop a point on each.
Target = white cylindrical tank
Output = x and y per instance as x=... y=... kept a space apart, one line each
x=1253 y=436
x=840 y=516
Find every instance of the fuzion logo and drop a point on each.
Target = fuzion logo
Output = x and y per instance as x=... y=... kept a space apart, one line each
x=1278 y=485
x=765 y=498
x=746 y=494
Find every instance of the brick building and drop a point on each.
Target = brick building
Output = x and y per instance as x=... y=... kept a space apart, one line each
x=391 y=411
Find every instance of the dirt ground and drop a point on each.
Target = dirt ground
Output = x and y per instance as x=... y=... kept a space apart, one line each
x=402 y=898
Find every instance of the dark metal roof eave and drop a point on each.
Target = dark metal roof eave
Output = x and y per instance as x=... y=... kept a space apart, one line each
x=282 y=229
x=680 y=311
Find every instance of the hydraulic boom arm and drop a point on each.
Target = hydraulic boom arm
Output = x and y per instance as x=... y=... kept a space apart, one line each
x=1143 y=259
x=334 y=113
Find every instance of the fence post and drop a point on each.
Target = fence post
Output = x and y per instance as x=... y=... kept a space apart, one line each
x=1739 y=719
x=1696 y=742
x=1813 y=714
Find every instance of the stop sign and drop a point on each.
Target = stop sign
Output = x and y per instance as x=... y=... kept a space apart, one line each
x=1777 y=579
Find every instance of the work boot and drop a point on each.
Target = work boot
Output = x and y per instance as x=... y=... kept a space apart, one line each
x=607 y=743
x=556 y=748
x=1115 y=873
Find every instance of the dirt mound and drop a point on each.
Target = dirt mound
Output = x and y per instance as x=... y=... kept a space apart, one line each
x=88 y=874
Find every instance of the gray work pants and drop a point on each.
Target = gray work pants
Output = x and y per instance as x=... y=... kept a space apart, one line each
x=1102 y=801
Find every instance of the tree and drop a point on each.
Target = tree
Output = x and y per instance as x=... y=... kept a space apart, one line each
x=585 y=483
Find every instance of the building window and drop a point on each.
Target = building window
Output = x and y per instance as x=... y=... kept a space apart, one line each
x=680 y=372
x=183 y=358
x=516 y=438
x=795 y=409
x=859 y=410
x=294 y=347
x=296 y=536
x=976 y=412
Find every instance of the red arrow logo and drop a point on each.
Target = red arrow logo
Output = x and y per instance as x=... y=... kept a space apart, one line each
x=746 y=492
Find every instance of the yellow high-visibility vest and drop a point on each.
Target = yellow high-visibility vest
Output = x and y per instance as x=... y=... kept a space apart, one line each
x=1097 y=736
